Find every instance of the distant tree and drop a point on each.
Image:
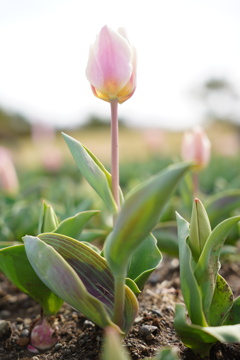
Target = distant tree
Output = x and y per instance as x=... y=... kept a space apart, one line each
x=95 y=122
x=12 y=124
x=221 y=100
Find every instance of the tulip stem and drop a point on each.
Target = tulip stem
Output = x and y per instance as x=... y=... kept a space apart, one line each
x=119 y=300
x=195 y=184
x=115 y=151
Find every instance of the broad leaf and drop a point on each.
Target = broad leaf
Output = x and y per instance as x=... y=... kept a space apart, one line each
x=144 y=261
x=16 y=266
x=74 y=225
x=93 y=171
x=138 y=216
x=233 y=316
x=166 y=235
x=192 y=336
x=221 y=303
x=221 y=205
x=89 y=283
x=60 y=277
x=207 y=267
x=189 y=286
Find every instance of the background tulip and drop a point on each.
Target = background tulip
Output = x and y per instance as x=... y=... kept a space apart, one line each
x=196 y=147
x=111 y=68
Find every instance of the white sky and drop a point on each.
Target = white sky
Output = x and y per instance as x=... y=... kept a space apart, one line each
x=44 y=48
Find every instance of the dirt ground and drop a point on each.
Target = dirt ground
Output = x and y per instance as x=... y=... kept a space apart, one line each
x=81 y=339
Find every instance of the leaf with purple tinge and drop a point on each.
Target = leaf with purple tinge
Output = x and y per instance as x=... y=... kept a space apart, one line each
x=79 y=276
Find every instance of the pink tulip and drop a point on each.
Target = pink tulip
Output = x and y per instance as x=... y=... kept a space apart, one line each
x=196 y=147
x=111 y=68
x=8 y=176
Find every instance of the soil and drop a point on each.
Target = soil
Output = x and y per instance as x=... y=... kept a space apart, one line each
x=79 y=338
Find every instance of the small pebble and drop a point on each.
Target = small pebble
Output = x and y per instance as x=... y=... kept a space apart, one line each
x=87 y=324
x=4 y=314
x=146 y=331
x=58 y=346
x=5 y=329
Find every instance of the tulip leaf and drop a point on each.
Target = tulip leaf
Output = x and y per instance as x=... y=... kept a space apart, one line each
x=221 y=205
x=144 y=261
x=17 y=268
x=60 y=277
x=221 y=303
x=138 y=216
x=233 y=316
x=93 y=171
x=197 y=337
x=74 y=225
x=166 y=235
x=189 y=285
x=191 y=335
x=206 y=271
x=88 y=283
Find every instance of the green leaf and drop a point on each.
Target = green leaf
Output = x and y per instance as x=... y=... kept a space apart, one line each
x=166 y=235
x=112 y=346
x=198 y=338
x=144 y=261
x=15 y=265
x=133 y=286
x=138 y=216
x=60 y=277
x=221 y=303
x=200 y=229
x=89 y=235
x=206 y=270
x=74 y=225
x=93 y=171
x=88 y=283
x=222 y=205
x=233 y=316
x=189 y=286
x=192 y=336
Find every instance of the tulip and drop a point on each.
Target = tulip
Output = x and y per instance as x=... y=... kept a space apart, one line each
x=8 y=176
x=111 y=68
x=196 y=147
x=111 y=71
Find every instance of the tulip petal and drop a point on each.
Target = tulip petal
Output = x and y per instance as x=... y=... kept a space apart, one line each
x=110 y=63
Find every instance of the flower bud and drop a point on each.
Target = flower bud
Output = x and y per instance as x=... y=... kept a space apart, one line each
x=111 y=68
x=196 y=147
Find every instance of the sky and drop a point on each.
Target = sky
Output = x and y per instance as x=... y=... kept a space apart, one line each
x=180 y=44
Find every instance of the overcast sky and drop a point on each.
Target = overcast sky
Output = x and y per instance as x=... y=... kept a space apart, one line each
x=44 y=48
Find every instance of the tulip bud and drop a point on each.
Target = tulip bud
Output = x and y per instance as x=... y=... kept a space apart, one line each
x=196 y=147
x=111 y=68
x=48 y=220
x=200 y=229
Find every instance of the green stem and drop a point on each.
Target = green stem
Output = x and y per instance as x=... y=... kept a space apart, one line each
x=115 y=151
x=119 y=300
x=195 y=184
